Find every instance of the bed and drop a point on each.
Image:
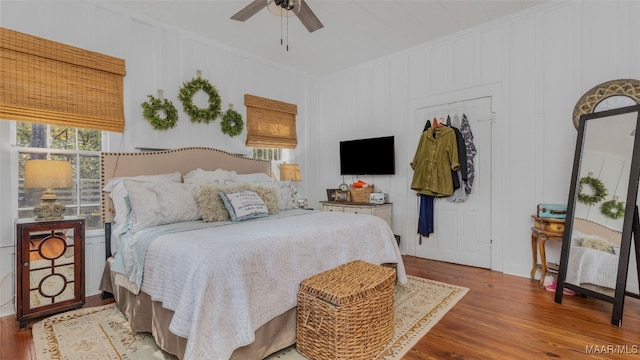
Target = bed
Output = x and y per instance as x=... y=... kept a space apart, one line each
x=211 y=288
x=594 y=255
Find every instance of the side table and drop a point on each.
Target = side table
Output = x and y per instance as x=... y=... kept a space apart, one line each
x=544 y=229
x=49 y=267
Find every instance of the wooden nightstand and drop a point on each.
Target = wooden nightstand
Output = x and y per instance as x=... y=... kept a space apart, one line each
x=544 y=229
x=49 y=267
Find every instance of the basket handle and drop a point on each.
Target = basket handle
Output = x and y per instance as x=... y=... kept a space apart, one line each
x=306 y=320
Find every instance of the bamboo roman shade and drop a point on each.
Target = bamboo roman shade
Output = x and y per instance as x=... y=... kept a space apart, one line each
x=48 y=82
x=270 y=123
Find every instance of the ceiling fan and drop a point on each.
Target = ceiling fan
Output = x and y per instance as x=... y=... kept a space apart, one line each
x=284 y=8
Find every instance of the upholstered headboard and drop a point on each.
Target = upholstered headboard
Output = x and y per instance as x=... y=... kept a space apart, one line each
x=589 y=227
x=115 y=165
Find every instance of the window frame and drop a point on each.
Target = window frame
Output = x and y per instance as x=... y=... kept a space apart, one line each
x=285 y=157
x=281 y=158
x=16 y=150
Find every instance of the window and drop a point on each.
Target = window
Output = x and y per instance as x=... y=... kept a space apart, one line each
x=267 y=154
x=82 y=148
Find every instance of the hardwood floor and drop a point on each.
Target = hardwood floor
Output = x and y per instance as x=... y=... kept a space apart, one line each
x=501 y=317
x=509 y=317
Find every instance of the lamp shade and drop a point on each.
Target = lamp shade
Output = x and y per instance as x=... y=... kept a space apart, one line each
x=290 y=172
x=47 y=174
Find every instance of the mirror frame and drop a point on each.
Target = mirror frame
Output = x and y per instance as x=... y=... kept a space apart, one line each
x=630 y=219
x=588 y=102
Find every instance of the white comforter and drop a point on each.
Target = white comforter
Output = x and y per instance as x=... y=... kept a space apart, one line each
x=223 y=283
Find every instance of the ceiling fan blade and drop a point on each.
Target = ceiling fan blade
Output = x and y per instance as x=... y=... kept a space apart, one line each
x=250 y=10
x=308 y=18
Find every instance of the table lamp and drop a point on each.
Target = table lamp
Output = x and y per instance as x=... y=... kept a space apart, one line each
x=48 y=175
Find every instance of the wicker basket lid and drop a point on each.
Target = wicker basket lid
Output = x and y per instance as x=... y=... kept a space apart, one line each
x=348 y=283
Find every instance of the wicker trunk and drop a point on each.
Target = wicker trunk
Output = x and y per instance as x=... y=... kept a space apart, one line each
x=346 y=312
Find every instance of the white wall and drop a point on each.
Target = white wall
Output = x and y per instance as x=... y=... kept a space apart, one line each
x=544 y=59
x=157 y=57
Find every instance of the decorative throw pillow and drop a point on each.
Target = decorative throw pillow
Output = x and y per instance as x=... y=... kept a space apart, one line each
x=161 y=203
x=211 y=206
x=218 y=177
x=285 y=192
x=244 y=205
x=595 y=243
x=213 y=209
x=267 y=194
x=119 y=196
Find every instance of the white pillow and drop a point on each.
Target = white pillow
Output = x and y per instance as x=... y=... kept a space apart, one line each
x=244 y=205
x=251 y=178
x=161 y=203
x=119 y=197
x=286 y=193
x=115 y=240
x=218 y=177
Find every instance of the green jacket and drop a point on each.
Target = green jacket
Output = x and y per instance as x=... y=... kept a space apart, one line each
x=436 y=156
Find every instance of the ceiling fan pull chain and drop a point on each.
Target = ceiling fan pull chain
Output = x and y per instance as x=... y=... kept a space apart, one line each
x=287 y=33
x=281 y=42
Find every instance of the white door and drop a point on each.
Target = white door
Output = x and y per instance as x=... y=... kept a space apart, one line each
x=462 y=230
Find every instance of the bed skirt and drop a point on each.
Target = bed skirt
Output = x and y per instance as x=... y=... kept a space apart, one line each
x=146 y=315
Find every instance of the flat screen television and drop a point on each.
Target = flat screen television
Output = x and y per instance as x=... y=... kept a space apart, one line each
x=371 y=156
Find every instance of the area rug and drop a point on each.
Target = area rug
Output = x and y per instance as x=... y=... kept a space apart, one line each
x=104 y=333
x=93 y=333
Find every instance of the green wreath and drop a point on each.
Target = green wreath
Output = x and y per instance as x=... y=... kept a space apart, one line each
x=232 y=123
x=186 y=96
x=153 y=106
x=600 y=192
x=613 y=209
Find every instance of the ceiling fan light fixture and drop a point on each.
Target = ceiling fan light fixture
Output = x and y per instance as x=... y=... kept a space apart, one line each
x=291 y=7
x=284 y=7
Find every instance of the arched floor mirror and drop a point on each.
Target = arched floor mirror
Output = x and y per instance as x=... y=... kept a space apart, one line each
x=602 y=215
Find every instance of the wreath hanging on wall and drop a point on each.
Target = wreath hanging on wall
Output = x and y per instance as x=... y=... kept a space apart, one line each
x=196 y=114
x=232 y=123
x=613 y=209
x=152 y=109
x=599 y=191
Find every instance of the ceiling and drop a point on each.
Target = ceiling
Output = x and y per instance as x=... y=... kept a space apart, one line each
x=354 y=32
